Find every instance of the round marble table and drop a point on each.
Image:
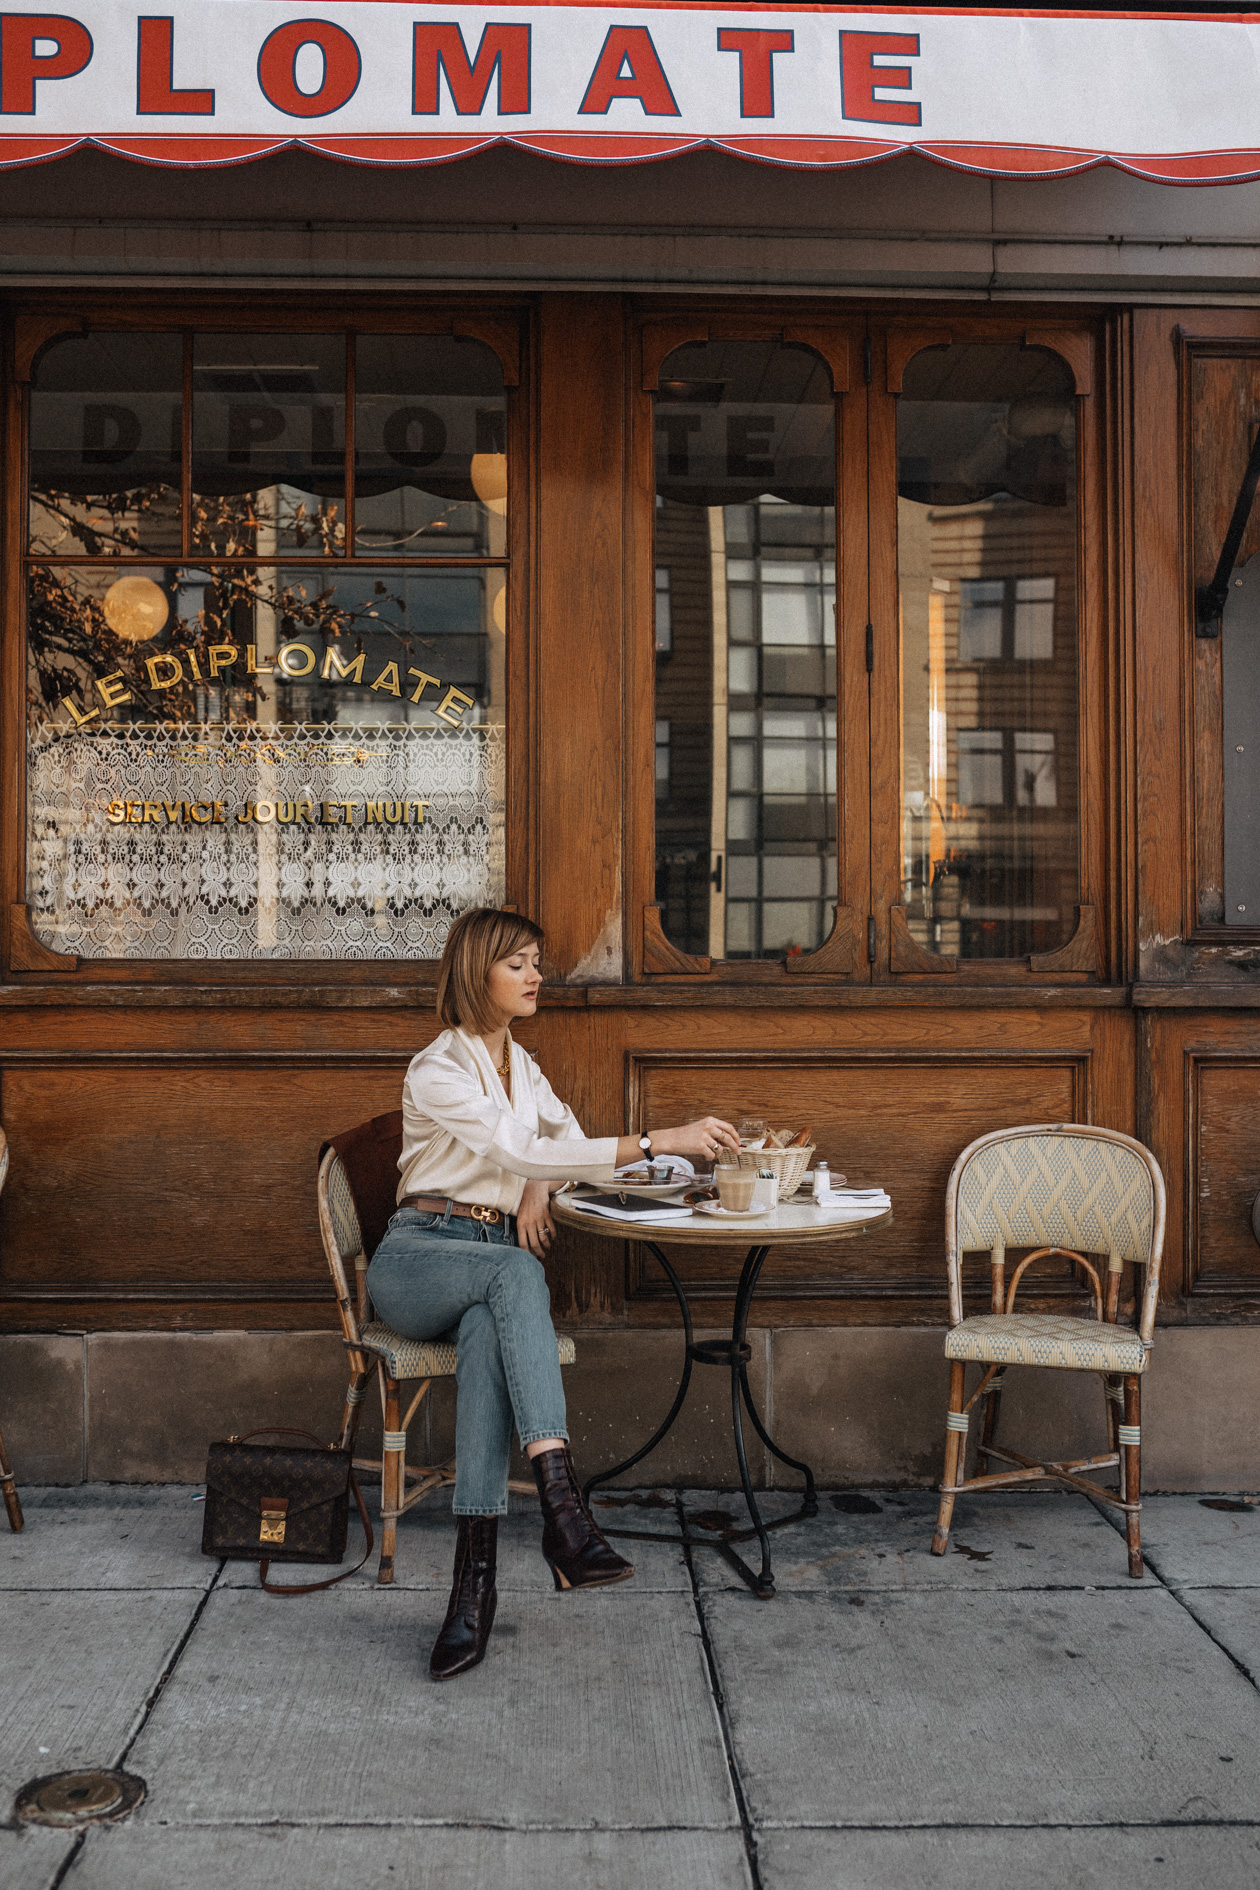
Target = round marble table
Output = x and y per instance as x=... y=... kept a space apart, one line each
x=796 y=1222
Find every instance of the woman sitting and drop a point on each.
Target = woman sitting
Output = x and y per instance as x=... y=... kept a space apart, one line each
x=486 y=1143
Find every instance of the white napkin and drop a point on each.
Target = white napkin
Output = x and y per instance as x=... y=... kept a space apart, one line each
x=855 y=1201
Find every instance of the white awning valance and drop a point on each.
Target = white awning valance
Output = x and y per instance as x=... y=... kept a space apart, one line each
x=210 y=82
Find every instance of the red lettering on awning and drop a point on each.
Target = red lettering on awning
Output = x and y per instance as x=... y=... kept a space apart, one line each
x=277 y=63
x=155 y=73
x=21 y=67
x=859 y=76
x=439 y=49
x=756 y=49
x=644 y=78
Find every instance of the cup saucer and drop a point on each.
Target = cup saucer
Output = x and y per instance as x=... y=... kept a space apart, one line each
x=731 y=1214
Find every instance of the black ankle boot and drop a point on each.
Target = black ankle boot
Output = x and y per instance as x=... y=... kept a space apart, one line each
x=470 y=1616
x=576 y=1553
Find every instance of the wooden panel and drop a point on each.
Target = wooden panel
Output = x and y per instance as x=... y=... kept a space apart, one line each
x=897 y=1121
x=1224 y=1171
x=578 y=796
x=1198 y=1092
x=134 y=1172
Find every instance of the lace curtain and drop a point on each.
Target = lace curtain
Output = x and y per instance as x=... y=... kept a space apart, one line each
x=244 y=889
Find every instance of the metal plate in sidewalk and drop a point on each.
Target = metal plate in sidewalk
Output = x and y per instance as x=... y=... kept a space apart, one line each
x=67 y=1799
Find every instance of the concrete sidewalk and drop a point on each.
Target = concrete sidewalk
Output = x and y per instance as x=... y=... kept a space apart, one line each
x=1018 y=1709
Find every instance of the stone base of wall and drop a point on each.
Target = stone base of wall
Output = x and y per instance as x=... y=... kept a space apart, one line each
x=863 y=1405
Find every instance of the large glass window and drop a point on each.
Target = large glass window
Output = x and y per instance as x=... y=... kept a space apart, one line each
x=266 y=648
x=745 y=649
x=987 y=550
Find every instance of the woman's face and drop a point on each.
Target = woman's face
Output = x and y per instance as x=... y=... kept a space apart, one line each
x=514 y=983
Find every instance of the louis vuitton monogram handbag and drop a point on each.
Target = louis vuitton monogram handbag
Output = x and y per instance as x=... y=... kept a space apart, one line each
x=281 y=1503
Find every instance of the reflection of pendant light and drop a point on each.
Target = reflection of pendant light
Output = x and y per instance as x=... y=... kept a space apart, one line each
x=488 y=473
x=498 y=609
x=135 y=608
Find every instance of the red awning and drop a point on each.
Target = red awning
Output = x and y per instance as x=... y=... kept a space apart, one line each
x=1175 y=98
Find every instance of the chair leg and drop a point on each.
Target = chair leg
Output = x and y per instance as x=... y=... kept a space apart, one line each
x=989 y=1424
x=353 y=1410
x=955 y=1438
x=17 y=1522
x=1113 y=1390
x=393 y=1471
x=1131 y=1453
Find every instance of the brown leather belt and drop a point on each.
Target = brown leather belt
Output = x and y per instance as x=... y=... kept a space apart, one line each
x=438 y=1204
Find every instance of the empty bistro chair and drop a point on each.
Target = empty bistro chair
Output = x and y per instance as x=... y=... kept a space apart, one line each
x=1063 y=1188
x=17 y=1522
x=358 y=1179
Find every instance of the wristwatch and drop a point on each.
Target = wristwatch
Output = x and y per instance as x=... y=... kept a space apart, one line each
x=645 y=1143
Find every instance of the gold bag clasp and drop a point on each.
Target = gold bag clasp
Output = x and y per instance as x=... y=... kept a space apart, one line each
x=274 y=1510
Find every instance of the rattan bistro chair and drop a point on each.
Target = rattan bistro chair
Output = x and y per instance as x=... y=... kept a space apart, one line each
x=1070 y=1189
x=17 y=1522
x=374 y=1346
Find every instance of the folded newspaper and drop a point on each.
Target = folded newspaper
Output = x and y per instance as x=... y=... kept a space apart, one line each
x=618 y=1207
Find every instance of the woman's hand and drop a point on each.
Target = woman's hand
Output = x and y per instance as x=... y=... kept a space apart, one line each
x=702 y=1139
x=535 y=1228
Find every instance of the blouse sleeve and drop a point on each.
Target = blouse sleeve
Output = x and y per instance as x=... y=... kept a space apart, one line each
x=455 y=1101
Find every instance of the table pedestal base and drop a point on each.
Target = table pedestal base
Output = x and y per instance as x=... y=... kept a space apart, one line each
x=733 y=1354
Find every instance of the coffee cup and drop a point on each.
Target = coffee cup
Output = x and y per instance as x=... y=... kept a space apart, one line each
x=735 y=1188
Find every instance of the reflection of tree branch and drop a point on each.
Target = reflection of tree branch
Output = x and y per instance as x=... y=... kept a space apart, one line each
x=69 y=633
x=103 y=532
x=227 y=525
x=438 y=524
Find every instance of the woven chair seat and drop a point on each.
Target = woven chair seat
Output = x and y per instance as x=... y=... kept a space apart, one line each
x=1074 y=1345
x=426 y=1358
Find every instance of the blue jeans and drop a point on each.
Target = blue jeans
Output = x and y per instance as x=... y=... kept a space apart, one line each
x=436 y=1276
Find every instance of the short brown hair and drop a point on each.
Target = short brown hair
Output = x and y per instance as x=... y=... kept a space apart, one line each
x=478 y=939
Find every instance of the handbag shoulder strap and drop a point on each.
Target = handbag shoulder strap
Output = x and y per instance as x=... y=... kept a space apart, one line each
x=310 y=1588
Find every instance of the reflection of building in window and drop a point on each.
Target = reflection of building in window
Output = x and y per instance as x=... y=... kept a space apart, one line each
x=781 y=727
x=1035 y=782
x=1006 y=619
x=662 y=760
x=980 y=769
x=745 y=544
x=664 y=612
x=987 y=563
x=1006 y=768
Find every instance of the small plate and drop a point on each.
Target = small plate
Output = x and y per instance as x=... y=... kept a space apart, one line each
x=731 y=1214
x=684 y=1177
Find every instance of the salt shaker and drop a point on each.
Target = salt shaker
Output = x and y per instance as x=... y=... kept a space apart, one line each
x=822 y=1181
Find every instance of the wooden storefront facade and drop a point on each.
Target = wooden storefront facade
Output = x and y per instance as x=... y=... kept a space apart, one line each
x=164 y=1112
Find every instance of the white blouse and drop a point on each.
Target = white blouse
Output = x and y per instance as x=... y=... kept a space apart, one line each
x=463 y=1137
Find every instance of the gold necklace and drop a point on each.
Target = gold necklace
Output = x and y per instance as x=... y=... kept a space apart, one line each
x=505 y=1068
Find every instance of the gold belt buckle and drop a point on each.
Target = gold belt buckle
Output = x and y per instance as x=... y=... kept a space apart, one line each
x=489 y=1215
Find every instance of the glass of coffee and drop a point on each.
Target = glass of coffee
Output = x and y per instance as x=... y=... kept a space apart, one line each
x=735 y=1187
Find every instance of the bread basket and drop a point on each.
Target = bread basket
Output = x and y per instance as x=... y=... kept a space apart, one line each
x=789 y=1164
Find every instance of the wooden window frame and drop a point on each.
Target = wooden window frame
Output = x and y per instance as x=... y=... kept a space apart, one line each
x=866 y=591
x=1203 y=684
x=837 y=340
x=502 y=324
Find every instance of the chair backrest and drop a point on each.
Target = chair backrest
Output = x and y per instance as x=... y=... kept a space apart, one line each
x=356 y=1189
x=1060 y=1184
x=343 y=1242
